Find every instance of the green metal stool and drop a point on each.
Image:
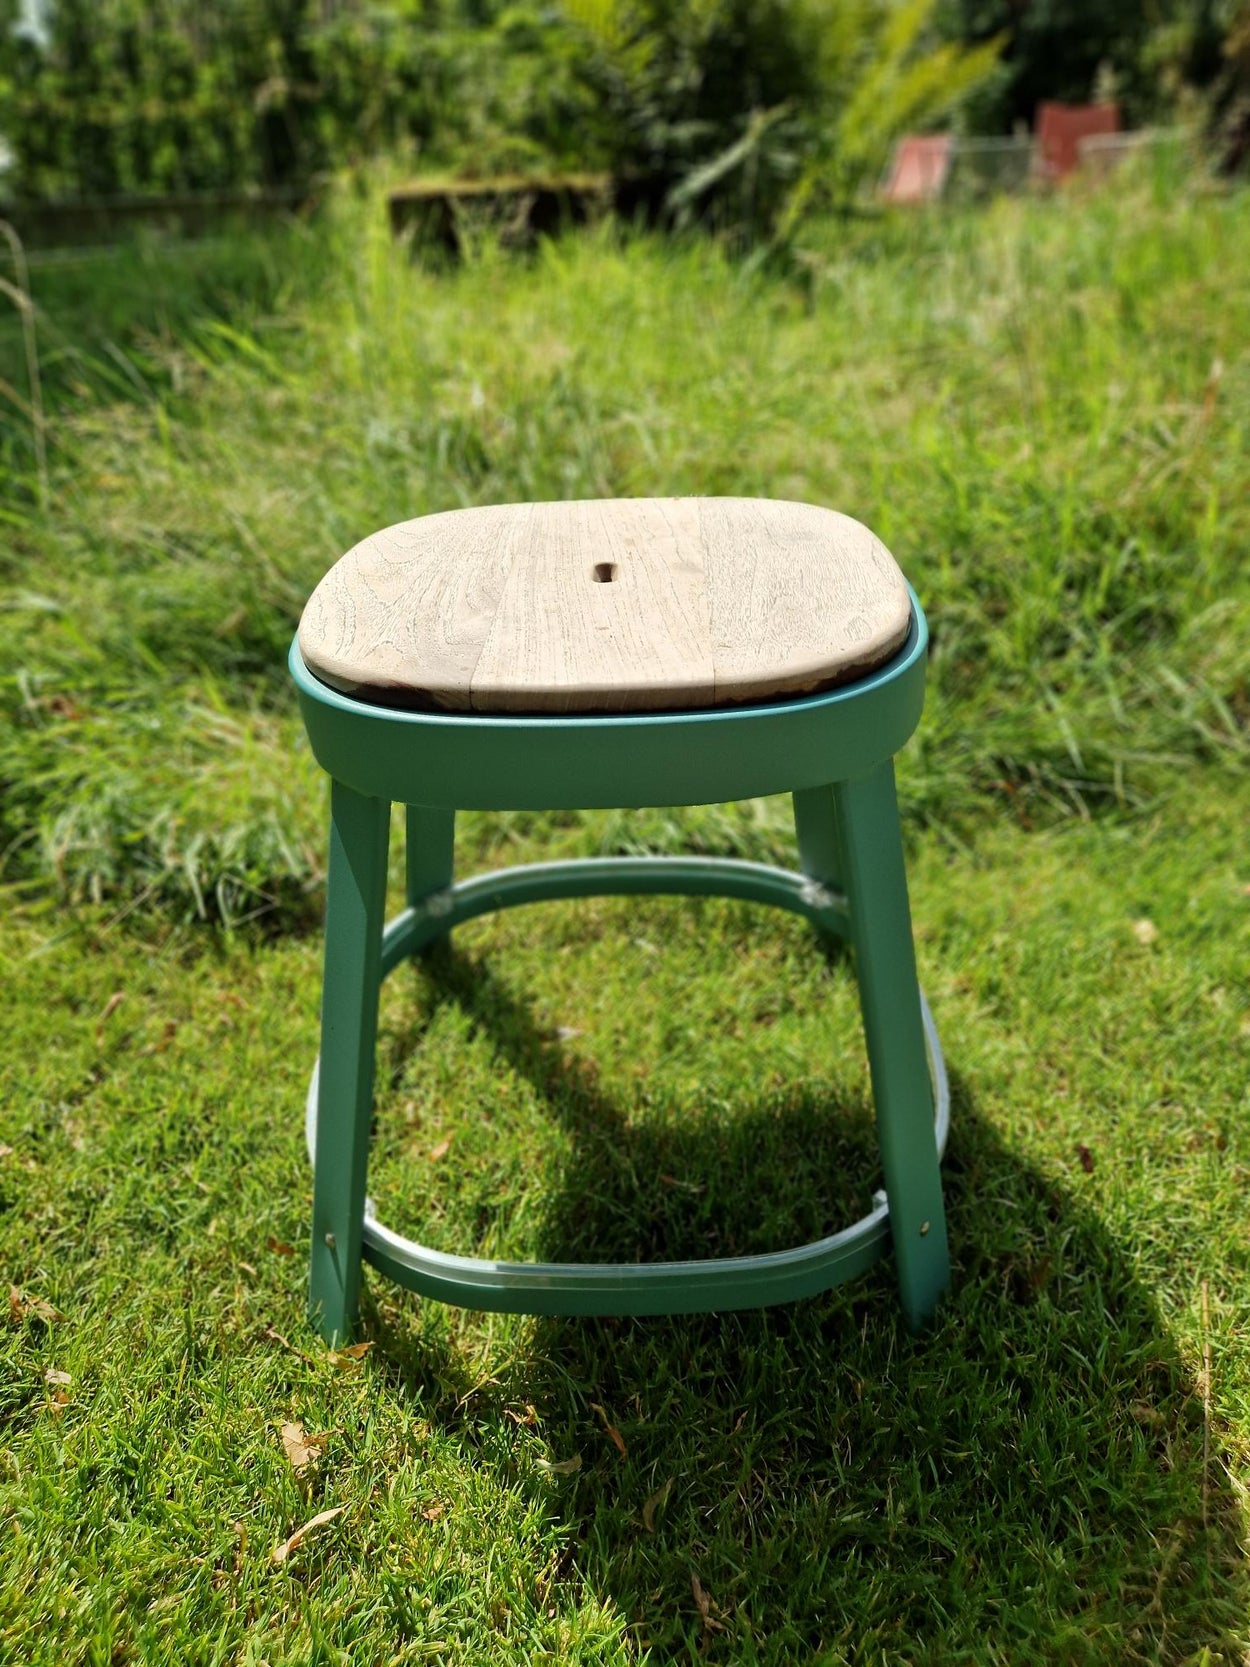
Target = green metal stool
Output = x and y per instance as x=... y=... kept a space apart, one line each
x=618 y=653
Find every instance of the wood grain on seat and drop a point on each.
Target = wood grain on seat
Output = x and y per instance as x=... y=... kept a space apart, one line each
x=607 y=605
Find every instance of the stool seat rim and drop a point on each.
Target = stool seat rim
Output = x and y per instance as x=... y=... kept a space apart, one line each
x=914 y=648
x=557 y=761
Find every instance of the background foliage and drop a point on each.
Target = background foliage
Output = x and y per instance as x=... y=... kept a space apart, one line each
x=728 y=98
x=159 y=95
x=754 y=109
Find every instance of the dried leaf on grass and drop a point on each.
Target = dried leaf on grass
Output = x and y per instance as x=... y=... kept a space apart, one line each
x=527 y=1420
x=168 y=1031
x=279 y=1246
x=352 y=1355
x=58 y=1386
x=431 y=1513
x=650 y=1506
x=441 y=1150
x=704 y=1605
x=31 y=1308
x=1087 y=1159
x=610 y=1429
x=560 y=1467
x=273 y=1336
x=283 y=1551
x=110 y=1007
x=1147 y=1416
x=476 y=1390
x=302 y=1449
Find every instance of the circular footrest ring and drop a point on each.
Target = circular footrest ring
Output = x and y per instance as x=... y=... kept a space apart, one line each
x=630 y=1287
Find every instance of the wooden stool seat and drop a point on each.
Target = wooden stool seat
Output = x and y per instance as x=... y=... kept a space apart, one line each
x=607 y=605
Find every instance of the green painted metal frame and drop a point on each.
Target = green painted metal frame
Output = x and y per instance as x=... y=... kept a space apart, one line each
x=832 y=751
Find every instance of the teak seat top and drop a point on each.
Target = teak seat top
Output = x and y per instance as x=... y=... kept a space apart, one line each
x=607 y=605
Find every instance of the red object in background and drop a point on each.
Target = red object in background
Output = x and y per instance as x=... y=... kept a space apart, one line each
x=919 y=170
x=1060 y=129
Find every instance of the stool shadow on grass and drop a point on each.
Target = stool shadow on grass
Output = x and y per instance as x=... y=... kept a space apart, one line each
x=1029 y=1481
x=768 y=1172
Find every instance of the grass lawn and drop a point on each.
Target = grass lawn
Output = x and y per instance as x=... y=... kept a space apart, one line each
x=1044 y=410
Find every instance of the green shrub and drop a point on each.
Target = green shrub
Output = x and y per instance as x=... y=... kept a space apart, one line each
x=160 y=96
x=762 y=108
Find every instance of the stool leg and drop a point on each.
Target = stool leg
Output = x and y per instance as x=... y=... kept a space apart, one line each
x=885 y=963
x=430 y=855
x=356 y=898
x=816 y=824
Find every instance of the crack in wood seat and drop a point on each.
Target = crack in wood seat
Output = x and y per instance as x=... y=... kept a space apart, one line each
x=607 y=605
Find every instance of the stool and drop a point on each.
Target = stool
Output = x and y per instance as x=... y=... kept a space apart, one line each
x=618 y=654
